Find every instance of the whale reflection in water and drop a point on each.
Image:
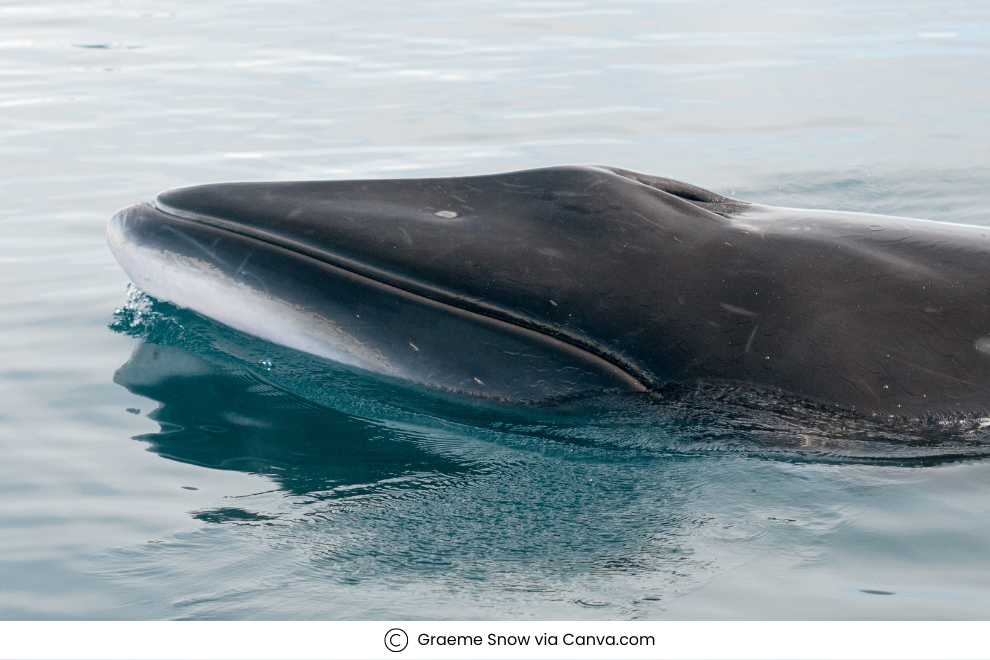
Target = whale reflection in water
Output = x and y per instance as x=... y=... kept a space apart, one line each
x=229 y=419
x=371 y=513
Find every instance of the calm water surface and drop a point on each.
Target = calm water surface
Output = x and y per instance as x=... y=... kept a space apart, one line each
x=157 y=465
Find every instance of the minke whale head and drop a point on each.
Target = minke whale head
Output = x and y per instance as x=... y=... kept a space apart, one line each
x=565 y=280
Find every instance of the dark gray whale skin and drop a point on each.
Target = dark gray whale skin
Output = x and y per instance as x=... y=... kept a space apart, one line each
x=567 y=279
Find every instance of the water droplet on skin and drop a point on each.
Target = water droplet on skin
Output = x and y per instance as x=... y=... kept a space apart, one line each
x=446 y=214
x=267 y=364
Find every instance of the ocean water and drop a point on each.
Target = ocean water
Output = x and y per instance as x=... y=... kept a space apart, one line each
x=154 y=464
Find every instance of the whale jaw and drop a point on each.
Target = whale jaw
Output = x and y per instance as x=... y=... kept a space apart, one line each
x=306 y=304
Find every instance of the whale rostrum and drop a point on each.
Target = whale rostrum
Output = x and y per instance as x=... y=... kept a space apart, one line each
x=564 y=280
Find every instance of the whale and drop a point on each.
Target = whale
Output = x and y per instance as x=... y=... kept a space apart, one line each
x=566 y=280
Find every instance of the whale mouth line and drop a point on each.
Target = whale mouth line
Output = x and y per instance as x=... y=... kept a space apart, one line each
x=416 y=287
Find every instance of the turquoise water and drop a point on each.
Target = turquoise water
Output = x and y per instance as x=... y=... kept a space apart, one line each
x=157 y=465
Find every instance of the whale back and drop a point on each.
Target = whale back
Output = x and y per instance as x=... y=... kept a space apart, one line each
x=668 y=282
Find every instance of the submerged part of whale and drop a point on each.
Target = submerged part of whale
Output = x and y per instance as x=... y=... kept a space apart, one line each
x=567 y=279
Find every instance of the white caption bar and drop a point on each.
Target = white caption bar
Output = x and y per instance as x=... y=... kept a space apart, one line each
x=408 y=640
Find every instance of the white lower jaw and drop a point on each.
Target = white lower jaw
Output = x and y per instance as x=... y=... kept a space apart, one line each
x=201 y=287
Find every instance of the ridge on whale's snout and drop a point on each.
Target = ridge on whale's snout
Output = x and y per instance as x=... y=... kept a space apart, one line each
x=567 y=279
